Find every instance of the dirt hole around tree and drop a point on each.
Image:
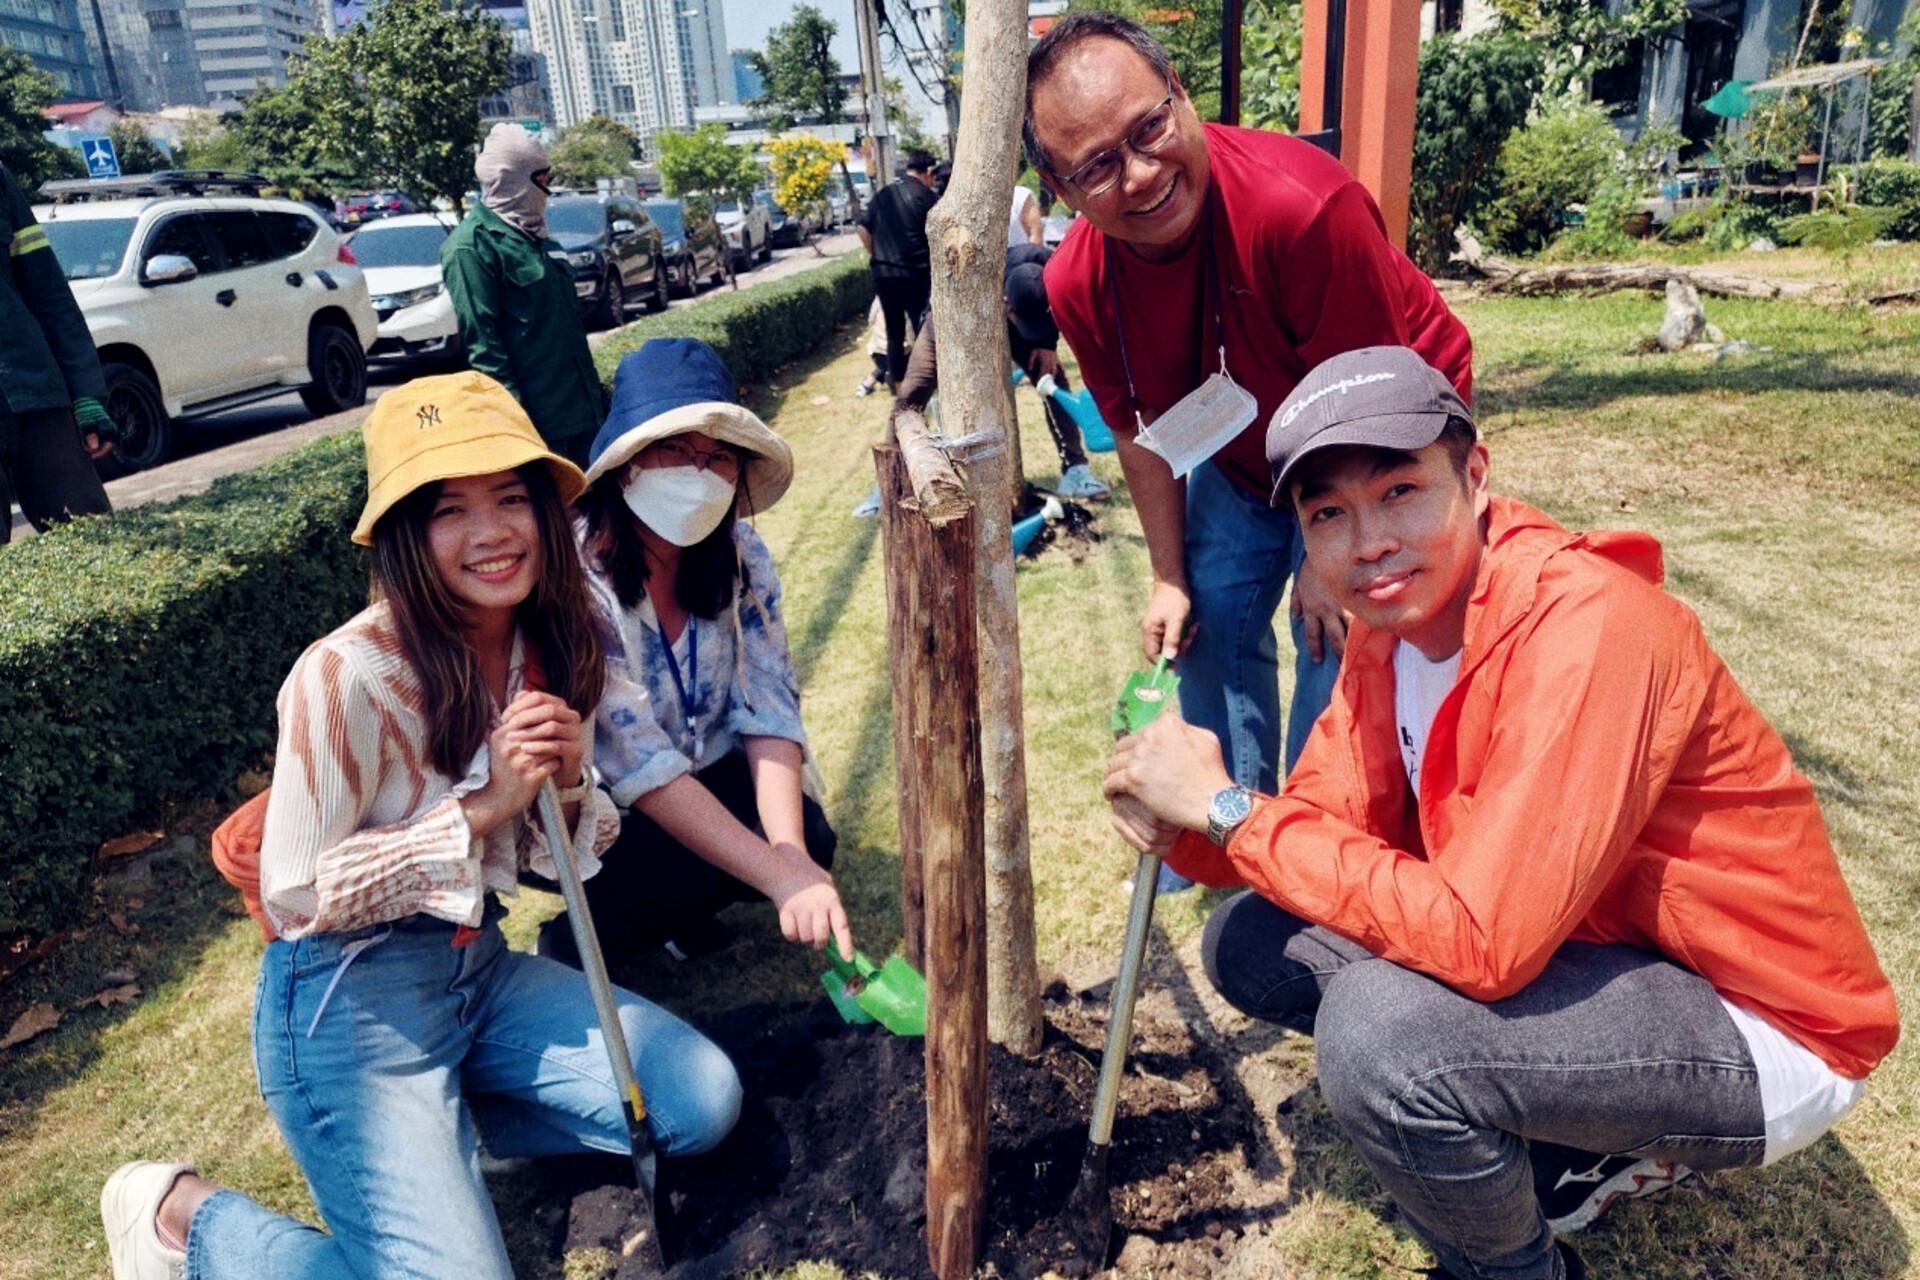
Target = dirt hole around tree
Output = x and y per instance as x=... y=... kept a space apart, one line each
x=828 y=1162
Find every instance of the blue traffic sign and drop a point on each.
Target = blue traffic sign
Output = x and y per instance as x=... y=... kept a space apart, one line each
x=102 y=160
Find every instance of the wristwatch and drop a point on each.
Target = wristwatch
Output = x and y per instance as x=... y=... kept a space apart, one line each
x=1227 y=810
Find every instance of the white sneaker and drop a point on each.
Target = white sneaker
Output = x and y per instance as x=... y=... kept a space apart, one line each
x=129 y=1204
x=1080 y=482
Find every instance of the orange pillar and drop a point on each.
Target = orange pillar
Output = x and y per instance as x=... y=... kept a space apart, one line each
x=1380 y=80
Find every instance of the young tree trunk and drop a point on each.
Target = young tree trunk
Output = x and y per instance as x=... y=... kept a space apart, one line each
x=967 y=235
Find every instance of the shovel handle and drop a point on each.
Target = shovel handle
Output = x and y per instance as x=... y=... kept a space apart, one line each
x=1126 y=989
x=593 y=964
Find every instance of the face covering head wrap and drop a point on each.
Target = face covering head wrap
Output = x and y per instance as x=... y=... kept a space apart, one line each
x=681 y=504
x=505 y=167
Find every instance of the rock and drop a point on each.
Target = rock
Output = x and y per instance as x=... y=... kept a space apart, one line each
x=118 y=977
x=1762 y=245
x=1734 y=350
x=1713 y=333
x=185 y=846
x=1686 y=319
x=907 y=1184
x=130 y=877
x=1136 y=1256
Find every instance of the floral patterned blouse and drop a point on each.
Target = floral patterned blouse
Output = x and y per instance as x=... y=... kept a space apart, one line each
x=734 y=680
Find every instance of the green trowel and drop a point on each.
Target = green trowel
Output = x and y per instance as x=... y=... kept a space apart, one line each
x=892 y=994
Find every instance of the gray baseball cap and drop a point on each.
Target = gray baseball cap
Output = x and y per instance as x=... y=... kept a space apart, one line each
x=1383 y=396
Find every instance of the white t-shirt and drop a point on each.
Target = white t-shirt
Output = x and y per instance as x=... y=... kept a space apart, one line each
x=1800 y=1095
x=1016 y=233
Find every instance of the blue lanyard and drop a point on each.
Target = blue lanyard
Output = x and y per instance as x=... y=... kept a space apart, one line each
x=687 y=708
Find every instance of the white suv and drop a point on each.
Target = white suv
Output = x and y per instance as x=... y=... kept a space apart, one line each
x=203 y=302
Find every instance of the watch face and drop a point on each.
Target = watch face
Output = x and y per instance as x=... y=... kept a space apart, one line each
x=1232 y=805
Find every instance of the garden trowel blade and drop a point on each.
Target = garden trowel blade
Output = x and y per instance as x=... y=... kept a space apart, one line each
x=896 y=996
x=1142 y=698
x=844 y=1001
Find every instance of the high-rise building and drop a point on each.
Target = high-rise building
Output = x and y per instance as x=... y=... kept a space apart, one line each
x=49 y=32
x=629 y=60
x=747 y=84
x=154 y=54
x=712 y=69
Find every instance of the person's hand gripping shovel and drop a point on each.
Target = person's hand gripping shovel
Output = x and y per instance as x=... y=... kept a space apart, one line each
x=1144 y=696
x=644 y=1241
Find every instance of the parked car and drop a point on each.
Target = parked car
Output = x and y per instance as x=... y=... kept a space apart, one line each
x=788 y=229
x=202 y=298
x=691 y=241
x=839 y=207
x=401 y=256
x=372 y=205
x=615 y=251
x=749 y=231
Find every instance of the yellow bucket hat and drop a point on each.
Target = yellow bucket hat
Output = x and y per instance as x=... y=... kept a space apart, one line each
x=453 y=424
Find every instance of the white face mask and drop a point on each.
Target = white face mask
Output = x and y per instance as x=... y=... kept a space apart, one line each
x=681 y=504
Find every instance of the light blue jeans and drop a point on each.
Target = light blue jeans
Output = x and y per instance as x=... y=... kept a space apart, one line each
x=387 y=1056
x=1240 y=554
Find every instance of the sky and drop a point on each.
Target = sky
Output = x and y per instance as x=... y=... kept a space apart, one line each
x=749 y=21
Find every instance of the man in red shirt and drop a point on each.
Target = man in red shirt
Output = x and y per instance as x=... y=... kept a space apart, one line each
x=1205 y=248
x=1545 y=887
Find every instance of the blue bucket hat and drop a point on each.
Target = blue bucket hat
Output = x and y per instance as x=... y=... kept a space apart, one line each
x=671 y=386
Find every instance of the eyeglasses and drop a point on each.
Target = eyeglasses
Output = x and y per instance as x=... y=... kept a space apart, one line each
x=1151 y=132
x=723 y=462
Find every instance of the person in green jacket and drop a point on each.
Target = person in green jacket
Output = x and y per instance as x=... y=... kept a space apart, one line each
x=513 y=294
x=51 y=386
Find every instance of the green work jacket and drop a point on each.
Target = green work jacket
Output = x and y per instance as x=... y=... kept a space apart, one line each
x=521 y=323
x=47 y=360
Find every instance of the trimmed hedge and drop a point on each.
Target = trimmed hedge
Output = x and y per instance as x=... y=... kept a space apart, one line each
x=140 y=653
x=759 y=329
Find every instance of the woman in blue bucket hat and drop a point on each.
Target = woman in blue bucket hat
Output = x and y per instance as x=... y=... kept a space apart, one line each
x=698 y=736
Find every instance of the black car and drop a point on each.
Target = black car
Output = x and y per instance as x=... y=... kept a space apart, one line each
x=691 y=242
x=614 y=250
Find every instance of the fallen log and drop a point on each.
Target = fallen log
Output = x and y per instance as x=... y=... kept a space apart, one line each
x=1526 y=281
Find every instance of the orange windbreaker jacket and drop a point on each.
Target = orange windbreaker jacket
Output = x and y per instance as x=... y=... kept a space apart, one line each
x=1594 y=774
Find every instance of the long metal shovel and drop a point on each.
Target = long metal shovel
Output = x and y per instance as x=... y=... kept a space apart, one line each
x=1141 y=701
x=646 y=1242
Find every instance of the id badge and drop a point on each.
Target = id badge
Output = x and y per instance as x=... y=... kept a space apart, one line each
x=1201 y=424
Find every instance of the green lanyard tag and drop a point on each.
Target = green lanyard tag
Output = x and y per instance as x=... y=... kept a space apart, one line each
x=1142 y=698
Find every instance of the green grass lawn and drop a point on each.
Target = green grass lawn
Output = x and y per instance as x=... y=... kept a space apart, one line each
x=1786 y=488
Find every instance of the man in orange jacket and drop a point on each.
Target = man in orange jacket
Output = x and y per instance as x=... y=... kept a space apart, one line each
x=1545 y=887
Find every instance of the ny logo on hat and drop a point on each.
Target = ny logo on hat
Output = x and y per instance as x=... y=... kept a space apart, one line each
x=429 y=416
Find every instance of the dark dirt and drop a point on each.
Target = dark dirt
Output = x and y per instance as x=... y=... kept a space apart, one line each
x=828 y=1161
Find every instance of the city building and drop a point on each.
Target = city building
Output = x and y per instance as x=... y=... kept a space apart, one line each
x=154 y=54
x=708 y=60
x=747 y=84
x=629 y=60
x=49 y=33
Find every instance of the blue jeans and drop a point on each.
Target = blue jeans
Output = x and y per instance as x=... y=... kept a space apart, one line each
x=1240 y=554
x=1610 y=1049
x=387 y=1056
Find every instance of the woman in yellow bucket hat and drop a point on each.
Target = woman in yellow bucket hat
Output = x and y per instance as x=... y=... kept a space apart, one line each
x=394 y=1032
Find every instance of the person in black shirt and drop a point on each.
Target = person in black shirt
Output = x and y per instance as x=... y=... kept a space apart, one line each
x=893 y=229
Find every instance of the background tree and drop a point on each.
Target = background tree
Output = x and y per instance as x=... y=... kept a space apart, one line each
x=803 y=172
x=25 y=92
x=1270 y=65
x=281 y=129
x=703 y=164
x=1474 y=93
x=800 y=79
x=595 y=148
x=909 y=130
x=1582 y=37
x=137 y=152
x=208 y=142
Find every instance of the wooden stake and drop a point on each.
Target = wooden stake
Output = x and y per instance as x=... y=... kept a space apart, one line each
x=944 y=673
x=895 y=490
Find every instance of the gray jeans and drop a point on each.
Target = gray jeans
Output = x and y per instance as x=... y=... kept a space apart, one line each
x=1610 y=1050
